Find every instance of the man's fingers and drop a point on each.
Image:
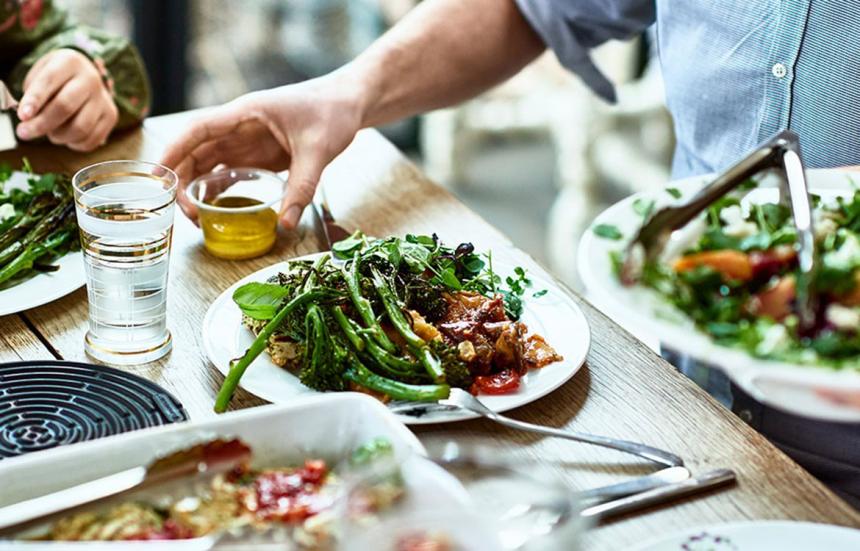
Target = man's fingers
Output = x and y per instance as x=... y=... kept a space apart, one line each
x=840 y=397
x=212 y=125
x=96 y=136
x=305 y=172
x=59 y=109
x=42 y=82
x=79 y=127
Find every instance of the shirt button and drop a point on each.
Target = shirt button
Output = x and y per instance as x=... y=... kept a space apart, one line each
x=745 y=415
x=778 y=70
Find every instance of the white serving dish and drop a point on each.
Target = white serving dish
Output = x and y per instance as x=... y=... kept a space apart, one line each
x=325 y=426
x=787 y=386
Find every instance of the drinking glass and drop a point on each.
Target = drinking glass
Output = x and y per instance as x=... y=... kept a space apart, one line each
x=471 y=495
x=125 y=214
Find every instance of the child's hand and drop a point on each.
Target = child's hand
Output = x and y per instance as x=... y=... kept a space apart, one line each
x=66 y=100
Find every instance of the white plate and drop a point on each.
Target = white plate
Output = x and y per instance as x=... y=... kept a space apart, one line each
x=759 y=536
x=554 y=316
x=787 y=386
x=325 y=426
x=42 y=288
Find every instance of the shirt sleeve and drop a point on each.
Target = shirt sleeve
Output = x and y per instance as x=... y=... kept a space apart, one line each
x=571 y=28
x=115 y=58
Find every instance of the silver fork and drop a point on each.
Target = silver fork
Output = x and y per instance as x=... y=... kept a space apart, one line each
x=462 y=400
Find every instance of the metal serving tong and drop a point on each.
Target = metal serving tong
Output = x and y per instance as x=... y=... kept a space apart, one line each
x=781 y=154
x=206 y=459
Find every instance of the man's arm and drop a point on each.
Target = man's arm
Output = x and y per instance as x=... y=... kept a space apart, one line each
x=441 y=53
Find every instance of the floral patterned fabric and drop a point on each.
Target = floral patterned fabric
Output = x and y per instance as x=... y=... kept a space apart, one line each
x=29 y=29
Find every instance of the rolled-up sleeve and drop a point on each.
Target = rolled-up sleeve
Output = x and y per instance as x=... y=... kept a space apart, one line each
x=571 y=28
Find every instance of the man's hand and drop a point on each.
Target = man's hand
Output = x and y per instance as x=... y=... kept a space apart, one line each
x=66 y=100
x=847 y=398
x=301 y=127
x=443 y=52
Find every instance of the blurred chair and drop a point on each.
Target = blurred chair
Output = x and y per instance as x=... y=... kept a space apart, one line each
x=598 y=147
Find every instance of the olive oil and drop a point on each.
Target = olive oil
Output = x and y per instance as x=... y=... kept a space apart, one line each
x=238 y=235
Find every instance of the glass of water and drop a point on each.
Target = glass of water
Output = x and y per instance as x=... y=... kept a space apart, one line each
x=125 y=214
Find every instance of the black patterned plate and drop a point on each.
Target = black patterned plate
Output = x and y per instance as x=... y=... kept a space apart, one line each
x=51 y=403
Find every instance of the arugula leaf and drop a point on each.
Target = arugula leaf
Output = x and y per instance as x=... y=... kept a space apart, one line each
x=260 y=301
x=607 y=231
x=416 y=256
x=643 y=207
x=431 y=242
x=345 y=249
x=674 y=192
x=756 y=242
x=42 y=184
x=5 y=172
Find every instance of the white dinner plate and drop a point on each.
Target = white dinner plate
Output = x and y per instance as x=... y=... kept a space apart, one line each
x=787 y=386
x=554 y=316
x=759 y=536
x=46 y=287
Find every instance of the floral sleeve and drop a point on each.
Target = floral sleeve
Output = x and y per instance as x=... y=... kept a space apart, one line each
x=29 y=29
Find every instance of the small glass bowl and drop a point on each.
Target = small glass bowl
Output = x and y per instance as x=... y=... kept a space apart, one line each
x=238 y=210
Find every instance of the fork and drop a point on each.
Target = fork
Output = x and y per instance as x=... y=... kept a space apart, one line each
x=462 y=400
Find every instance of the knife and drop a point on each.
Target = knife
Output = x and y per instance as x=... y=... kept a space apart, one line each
x=328 y=231
x=662 y=494
x=637 y=485
x=8 y=104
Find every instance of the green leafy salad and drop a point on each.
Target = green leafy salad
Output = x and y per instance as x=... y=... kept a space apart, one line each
x=37 y=224
x=401 y=318
x=737 y=280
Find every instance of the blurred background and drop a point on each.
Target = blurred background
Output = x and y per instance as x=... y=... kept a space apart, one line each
x=539 y=156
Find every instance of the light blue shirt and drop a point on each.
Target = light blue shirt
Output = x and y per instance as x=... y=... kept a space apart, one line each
x=735 y=71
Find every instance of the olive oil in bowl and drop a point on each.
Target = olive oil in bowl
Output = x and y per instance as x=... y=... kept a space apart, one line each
x=243 y=233
x=236 y=208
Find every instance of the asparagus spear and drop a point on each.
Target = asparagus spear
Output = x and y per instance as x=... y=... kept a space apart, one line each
x=33 y=252
x=416 y=344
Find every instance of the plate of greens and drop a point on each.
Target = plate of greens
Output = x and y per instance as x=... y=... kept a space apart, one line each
x=723 y=290
x=39 y=246
x=398 y=318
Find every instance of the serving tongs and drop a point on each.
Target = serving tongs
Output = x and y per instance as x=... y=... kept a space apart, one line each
x=780 y=154
x=205 y=459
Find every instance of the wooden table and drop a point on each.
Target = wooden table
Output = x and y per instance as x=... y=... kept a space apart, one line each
x=624 y=390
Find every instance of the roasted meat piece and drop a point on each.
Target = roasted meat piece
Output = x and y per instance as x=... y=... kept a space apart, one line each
x=495 y=343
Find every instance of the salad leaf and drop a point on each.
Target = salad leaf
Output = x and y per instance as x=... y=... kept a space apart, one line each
x=674 y=192
x=345 y=249
x=607 y=231
x=643 y=207
x=260 y=301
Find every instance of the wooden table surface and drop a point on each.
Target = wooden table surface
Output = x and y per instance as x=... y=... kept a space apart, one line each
x=624 y=390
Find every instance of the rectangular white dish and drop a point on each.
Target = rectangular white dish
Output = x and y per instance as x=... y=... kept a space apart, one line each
x=326 y=426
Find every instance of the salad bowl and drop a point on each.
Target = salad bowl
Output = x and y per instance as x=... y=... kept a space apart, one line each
x=790 y=378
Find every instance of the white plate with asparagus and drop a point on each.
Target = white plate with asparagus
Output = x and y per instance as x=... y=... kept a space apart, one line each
x=401 y=319
x=39 y=257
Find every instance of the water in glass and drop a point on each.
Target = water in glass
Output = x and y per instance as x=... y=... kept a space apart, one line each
x=125 y=212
